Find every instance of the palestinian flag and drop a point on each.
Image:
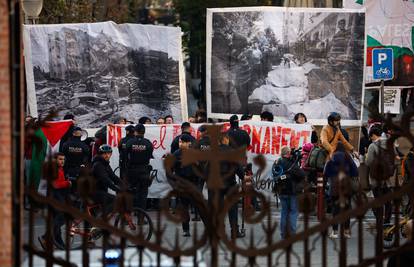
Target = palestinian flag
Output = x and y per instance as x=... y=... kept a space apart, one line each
x=54 y=131
x=390 y=24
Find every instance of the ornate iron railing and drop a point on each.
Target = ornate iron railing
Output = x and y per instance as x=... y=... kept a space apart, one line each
x=210 y=244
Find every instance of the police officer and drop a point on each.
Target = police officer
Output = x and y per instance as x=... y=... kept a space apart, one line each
x=238 y=137
x=187 y=173
x=130 y=134
x=139 y=152
x=202 y=144
x=185 y=130
x=76 y=153
x=229 y=171
x=204 y=141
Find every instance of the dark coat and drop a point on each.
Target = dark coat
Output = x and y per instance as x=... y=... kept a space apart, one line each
x=104 y=176
x=122 y=148
x=294 y=175
x=340 y=160
x=185 y=172
x=76 y=152
x=229 y=170
x=66 y=137
x=139 y=151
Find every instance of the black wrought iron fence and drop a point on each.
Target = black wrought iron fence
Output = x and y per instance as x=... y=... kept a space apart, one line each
x=133 y=237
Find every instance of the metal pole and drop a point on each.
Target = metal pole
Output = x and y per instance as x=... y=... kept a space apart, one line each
x=320 y=199
x=382 y=97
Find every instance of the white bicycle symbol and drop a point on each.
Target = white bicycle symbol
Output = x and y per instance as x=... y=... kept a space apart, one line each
x=383 y=71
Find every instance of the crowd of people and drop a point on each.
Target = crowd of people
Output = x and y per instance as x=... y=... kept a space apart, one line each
x=329 y=153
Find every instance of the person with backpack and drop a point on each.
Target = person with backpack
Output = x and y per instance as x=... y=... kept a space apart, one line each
x=287 y=175
x=331 y=134
x=380 y=160
x=340 y=169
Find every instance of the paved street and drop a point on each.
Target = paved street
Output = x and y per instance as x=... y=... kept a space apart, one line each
x=279 y=257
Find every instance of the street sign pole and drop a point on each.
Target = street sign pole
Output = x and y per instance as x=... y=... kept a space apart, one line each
x=382 y=97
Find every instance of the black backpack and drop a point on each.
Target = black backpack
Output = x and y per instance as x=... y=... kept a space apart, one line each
x=384 y=165
x=282 y=179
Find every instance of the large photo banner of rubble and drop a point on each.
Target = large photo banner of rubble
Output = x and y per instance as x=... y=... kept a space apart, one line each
x=103 y=71
x=286 y=60
x=390 y=24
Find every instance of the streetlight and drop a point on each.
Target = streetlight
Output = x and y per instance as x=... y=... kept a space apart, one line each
x=32 y=9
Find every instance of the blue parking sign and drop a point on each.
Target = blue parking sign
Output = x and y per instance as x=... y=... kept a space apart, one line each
x=382 y=64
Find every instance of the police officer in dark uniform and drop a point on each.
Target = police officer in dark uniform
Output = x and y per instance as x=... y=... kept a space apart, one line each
x=139 y=152
x=76 y=153
x=233 y=169
x=238 y=137
x=202 y=144
x=185 y=130
x=130 y=134
x=187 y=173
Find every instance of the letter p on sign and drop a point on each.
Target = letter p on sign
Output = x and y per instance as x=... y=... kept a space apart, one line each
x=382 y=57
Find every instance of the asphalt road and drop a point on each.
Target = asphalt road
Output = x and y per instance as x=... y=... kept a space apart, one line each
x=204 y=255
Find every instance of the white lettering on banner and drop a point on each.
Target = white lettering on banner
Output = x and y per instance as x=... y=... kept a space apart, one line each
x=266 y=138
x=390 y=30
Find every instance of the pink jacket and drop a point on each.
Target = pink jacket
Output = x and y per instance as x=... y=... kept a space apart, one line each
x=306 y=149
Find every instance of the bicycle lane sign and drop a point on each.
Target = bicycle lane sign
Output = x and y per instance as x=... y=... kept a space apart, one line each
x=383 y=64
